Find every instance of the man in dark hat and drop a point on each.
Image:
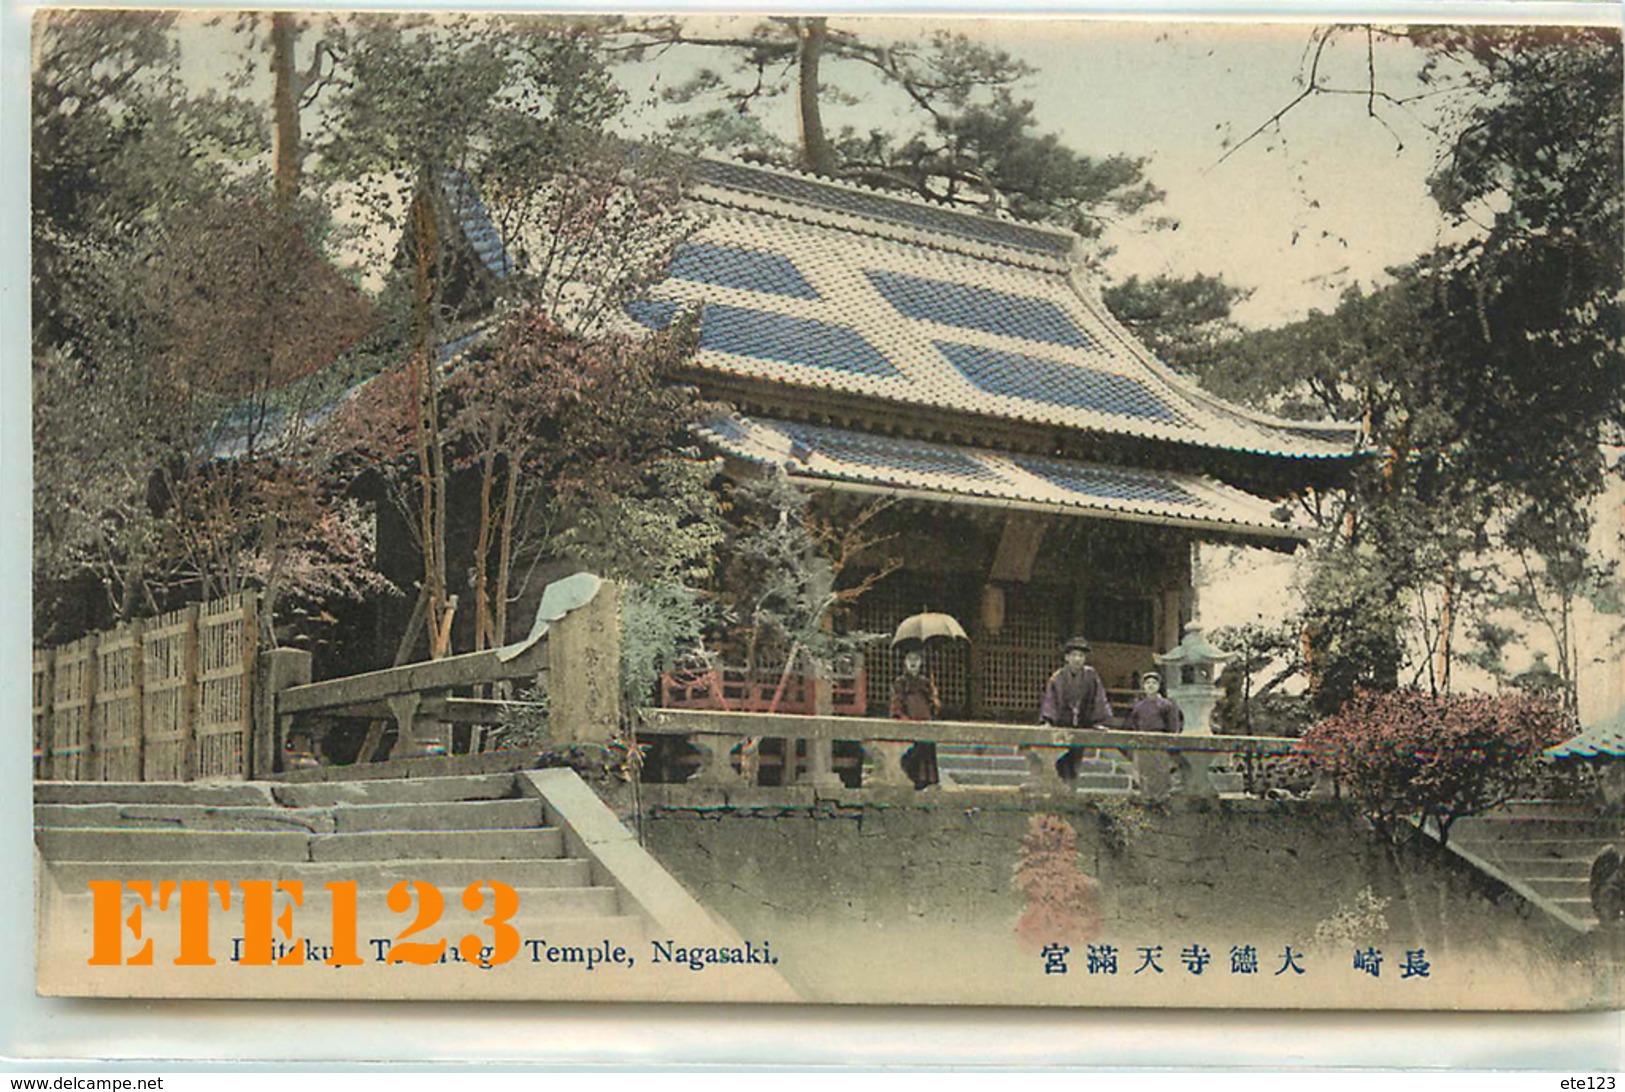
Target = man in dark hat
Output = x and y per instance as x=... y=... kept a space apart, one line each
x=1074 y=698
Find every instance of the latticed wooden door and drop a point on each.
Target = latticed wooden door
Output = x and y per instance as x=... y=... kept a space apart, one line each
x=1019 y=659
x=879 y=611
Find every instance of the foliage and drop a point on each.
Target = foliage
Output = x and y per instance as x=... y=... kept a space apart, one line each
x=1406 y=755
x=1062 y=901
x=1479 y=455
x=1185 y=321
x=174 y=308
x=661 y=624
x=1267 y=657
x=780 y=576
x=1120 y=820
x=967 y=140
x=118 y=140
x=575 y=438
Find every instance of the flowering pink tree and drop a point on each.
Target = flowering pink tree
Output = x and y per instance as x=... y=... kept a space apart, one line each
x=1406 y=755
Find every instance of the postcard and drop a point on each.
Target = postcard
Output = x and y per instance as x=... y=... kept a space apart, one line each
x=1006 y=511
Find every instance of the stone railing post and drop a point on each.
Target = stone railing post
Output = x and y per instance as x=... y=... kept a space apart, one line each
x=1154 y=769
x=584 y=670
x=1042 y=777
x=1196 y=775
x=887 y=757
x=820 y=765
x=279 y=668
x=716 y=768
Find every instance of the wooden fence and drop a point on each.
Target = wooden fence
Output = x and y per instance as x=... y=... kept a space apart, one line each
x=163 y=699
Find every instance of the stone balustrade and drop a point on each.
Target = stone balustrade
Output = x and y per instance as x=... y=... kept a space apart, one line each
x=716 y=736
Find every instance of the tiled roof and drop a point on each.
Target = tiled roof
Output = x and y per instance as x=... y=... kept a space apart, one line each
x=270 y=424
x=1605 y=740
x=867 y=205
x=820 y=454
x=813 y=284
x=475 y=220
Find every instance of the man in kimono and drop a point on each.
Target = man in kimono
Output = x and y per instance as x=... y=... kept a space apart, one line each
x=1074 y=697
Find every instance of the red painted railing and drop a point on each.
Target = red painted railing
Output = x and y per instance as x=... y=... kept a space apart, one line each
x=764 y=690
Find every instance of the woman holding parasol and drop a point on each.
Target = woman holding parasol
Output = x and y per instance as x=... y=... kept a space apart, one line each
x=914 y=693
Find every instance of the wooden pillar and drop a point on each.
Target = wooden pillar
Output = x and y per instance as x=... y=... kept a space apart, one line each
x=584 y=670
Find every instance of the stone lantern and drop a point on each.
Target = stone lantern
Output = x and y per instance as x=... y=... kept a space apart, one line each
x=1191 y=672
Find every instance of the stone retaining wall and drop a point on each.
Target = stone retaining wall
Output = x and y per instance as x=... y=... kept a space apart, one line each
x=842 y=883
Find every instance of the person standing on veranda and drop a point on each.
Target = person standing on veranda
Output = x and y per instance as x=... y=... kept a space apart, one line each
x=1155 y=713
x=914 y=697
x=1074 y=697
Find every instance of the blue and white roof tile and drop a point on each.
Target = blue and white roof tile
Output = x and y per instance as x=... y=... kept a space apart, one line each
x=813 y=284
x=836 y=457
x=1604 y=740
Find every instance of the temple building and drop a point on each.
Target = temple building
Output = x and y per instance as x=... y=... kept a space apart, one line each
x=1051 y=475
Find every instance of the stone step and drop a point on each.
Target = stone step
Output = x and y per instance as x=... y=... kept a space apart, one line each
x=416 y=790
x=1541 y=836
x=200 y=793
x=445 y=873
x=977 y=750
x=476 y=815
x=986 y=777
x=1553 y=826
x=184 y=817
x=373 y=911
x=1519 y=861
x=1546 y=808
x=981 y=763
x=1575 y=887
x=1104 y=783
x=130 y=845
x=482 y=845
x=1545 y=868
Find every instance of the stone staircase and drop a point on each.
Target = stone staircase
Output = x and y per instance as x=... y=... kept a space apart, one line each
x=580 y=876
x=445 y=831
x=994 y=766
x=1542 y=849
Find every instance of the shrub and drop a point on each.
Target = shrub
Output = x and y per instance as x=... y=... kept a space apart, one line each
x=1405 y=755
x=1063 y=903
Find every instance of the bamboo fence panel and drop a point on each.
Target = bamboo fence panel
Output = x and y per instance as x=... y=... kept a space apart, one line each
x=168 y=699
x=72 y=693
x=116 y=714
x=168 y=661
x=44 y=663
x=227 y=640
